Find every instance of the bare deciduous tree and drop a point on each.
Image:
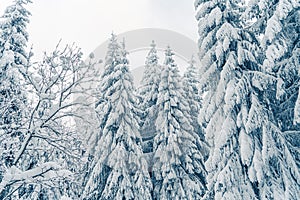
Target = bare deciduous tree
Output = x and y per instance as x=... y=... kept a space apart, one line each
x=51 y=146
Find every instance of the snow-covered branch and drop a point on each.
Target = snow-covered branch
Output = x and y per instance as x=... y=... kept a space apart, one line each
x=45 y=171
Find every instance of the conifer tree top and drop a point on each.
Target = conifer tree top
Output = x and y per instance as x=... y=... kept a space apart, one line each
x=169 y=60
x=152 y=58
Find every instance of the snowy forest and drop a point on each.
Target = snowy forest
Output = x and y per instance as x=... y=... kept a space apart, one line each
x=227 y=129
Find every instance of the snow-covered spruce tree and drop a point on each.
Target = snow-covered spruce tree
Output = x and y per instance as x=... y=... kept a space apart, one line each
x=178 y=170
x=191 y=89
x=120 y=172
x=277 y=23
x=264 y=151
x=103 y=109
x=13 y=39
x=148 y=93
x=282 y=47
x=282 y=59
x=249 y=156
x=112 y=59
x=225 y=52
x=284 y=52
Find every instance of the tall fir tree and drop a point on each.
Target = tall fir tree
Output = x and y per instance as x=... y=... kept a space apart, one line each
x=103 y=108
x=192 y=95
x=224 y=54
x=148 y=92
x=178 y=170
x=121 y=171
x=249 y=156
x=277 y=25
x=13 y=58
x=281 y=45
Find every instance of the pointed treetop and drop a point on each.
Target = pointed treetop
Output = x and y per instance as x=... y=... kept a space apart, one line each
x=169 y=57
x=112 y=40
x=153 y=45
x=152 y=58
x=18 y=4
x=13 y=34
x=169 y=51
x=123 y=43
x=113 y=35
x=191 y=71
x=124 y=52
x=113 y=53
x=123 y=46
x=192 y=61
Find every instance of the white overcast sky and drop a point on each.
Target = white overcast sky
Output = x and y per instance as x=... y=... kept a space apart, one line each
x=88 y=23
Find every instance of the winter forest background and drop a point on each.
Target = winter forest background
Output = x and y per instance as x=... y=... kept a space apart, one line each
x=227 y=129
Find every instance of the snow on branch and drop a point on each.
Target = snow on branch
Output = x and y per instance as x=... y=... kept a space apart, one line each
x=46 y=171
